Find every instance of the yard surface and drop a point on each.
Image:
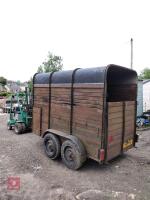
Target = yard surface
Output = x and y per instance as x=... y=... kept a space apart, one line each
x=23 y=156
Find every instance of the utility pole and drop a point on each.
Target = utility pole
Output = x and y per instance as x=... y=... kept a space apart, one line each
x=131 y=53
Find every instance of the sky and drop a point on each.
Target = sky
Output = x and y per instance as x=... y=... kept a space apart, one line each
x=85 y=33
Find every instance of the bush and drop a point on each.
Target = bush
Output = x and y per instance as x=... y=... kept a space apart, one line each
x=5 y=94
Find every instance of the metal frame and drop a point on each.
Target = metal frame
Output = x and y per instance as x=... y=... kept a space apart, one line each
x=49 y=112
x=72 y=100
x=123 y=128
x=33 y=89
x=104 y=135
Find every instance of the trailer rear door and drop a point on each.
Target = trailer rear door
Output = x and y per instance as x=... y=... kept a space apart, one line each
x=121 y=125
x=121 y=94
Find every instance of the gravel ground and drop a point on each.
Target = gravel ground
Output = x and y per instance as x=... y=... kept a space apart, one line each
x=127 y=177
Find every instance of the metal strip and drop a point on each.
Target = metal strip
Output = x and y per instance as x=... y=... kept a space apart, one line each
x=72 y=100
x=104 y=117
x=135 y=135
x=49 y=111
x=106 y=131
x=41 y=120
x=33 y=98
x=33 y=89
x=123 y=126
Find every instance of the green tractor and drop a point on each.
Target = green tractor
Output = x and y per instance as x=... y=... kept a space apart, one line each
x=20 y=116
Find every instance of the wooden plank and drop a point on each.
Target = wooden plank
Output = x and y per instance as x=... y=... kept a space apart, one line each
x=114 y=109
x=45 y=113
x=88 y=85
x=115 y=132
x=41 y=90
x=44 y=127
x=115 y=115
x=40 y=104
x=130 y=109
x=58 y=91
x=129 y=136
x=62 y=85
x=129 y=117
x=36 y=120
x=60 y=124
x=115 y=121
x=127 y=103
x=115 y=104
x=115 y=138
x=40 y=85
x=99 y=91
x=82 y=129
x=115 y=127
x=113 y=152
x=88 y=140
x=88 y=122
x=88 y=93
x=88 y=105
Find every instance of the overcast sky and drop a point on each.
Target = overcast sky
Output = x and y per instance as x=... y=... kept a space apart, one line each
x=86 y=33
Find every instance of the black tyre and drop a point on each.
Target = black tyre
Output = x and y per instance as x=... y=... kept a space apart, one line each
x=73 y=154
x=9 y=127
x=18 y=128
x=52 y=146
x=23 y=127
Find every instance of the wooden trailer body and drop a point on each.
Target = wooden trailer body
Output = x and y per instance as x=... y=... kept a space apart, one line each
x=96 y=105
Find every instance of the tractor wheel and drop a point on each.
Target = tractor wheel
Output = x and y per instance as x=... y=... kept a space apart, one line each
x=23 y=127
x=18 y=128
x=9 y=127
x=52 y=146
x=72 y=154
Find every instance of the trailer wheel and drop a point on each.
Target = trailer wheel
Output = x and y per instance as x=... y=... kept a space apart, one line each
x=52 y=146
x=72 y=154
x=18 y=128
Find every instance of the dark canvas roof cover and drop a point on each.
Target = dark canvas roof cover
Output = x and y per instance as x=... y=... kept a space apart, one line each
x=89 y=75
x=41 y=78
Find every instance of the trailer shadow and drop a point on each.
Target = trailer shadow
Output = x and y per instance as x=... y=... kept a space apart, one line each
x=93 y=165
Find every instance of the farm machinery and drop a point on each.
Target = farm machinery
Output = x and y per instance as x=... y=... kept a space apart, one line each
x=20 y=116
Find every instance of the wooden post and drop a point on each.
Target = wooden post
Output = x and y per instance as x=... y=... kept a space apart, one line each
x=131 y=53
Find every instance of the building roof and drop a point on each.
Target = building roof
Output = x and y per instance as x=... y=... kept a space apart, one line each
x=146 y=81
x=2 y=88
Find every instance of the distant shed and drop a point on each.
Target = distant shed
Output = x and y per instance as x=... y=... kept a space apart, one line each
x=140 y=98
x=146 y=95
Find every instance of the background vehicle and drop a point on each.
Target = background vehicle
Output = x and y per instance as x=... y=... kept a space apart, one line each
x=143 y=121
x=20 y=116
x=86 y=113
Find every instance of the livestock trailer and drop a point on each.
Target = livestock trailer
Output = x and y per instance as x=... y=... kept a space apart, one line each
x=86 y=113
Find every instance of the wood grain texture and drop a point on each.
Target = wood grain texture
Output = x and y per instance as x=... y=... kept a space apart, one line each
x=115 y=126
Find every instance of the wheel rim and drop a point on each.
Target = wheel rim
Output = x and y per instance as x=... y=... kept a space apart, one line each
x=69 y=155
x=50 y=147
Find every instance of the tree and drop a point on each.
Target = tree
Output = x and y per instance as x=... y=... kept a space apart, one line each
x=145 y=74
x=18 y=82
x=52 y=64
x=30 y=84
x=3 y=80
